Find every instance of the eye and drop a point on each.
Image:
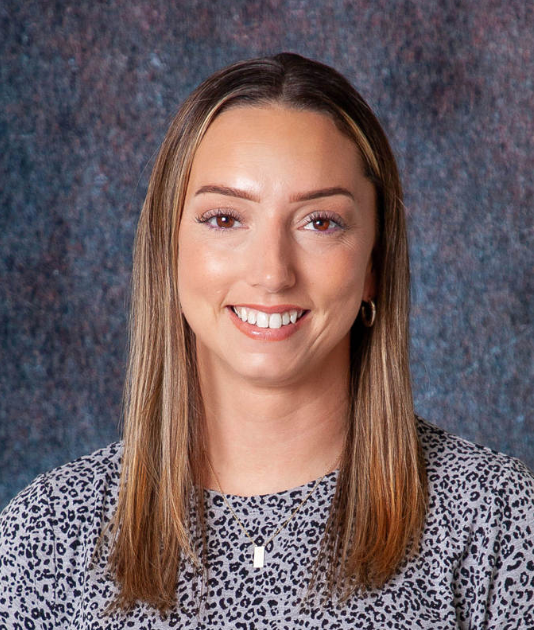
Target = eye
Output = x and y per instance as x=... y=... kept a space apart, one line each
x=321 y=225
x=220 y=220
x=324 y=223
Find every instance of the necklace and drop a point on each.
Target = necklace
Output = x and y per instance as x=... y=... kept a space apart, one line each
x=259 y=550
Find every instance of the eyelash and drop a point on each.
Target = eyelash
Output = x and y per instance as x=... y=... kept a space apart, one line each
x=326 y=216
x=314 y=216
x=219 y=212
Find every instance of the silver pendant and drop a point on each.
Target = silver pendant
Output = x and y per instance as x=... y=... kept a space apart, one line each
x=259 y=556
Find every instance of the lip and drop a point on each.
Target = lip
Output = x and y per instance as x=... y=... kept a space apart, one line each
x=277 y=308
x=268 y=334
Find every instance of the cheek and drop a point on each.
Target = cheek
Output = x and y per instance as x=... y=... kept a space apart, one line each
x=342 y=282
x=343 y=278
x=202 y=272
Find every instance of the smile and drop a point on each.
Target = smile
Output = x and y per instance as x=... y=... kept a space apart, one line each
x=267 y=320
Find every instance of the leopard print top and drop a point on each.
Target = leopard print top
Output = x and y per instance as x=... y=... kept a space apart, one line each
x=475 y=568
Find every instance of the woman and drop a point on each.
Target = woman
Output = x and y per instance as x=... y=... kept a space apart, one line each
x=273 y=473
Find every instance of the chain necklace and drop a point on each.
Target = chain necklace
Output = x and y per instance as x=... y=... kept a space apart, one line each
x=259 y=550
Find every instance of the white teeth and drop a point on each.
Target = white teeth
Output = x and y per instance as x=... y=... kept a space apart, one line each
x=275 y=320
x=262 y=320
x=266 y=320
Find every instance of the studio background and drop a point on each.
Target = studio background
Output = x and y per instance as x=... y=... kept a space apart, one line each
x=87 y=91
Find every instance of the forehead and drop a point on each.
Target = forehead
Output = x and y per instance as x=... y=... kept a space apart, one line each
x=289 y=144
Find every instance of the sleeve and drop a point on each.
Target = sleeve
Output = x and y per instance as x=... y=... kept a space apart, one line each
x=27 y=560
x=498 y=566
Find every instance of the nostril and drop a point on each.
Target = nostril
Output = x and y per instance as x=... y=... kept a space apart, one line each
x=274 y=280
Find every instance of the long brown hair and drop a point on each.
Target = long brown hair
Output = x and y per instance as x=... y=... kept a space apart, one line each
x=379 y=507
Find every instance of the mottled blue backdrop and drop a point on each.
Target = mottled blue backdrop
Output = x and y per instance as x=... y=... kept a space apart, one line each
x=87 y=91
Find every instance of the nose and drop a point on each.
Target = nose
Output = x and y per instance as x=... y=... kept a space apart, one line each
x=271 y=259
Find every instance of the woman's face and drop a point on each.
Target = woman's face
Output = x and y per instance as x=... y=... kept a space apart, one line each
x=275 y=245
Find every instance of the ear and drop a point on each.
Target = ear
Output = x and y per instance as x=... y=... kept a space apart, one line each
x=369 y=286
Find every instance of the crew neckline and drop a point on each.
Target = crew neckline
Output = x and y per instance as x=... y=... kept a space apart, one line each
x=282 y=493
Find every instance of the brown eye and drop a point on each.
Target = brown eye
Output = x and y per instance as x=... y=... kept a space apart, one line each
x=322 y=222
x=322 y=225
x=225 y=221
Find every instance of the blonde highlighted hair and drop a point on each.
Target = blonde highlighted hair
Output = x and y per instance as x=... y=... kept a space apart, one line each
x=378 y=511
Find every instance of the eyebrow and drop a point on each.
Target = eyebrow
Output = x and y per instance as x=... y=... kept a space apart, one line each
x=323 y=192
x=243 y=194
x=226 y=190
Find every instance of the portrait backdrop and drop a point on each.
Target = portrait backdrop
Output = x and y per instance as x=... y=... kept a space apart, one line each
x=87 y=92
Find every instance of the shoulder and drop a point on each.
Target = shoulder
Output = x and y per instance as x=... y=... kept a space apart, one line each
x=473 y=484
x=59 y=498
x=50 y=530
x=480 y=522
x=452 y=459
x=75 y=480
x=87 y=475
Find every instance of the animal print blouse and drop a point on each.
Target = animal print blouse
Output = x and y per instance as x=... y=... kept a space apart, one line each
x=475 y=568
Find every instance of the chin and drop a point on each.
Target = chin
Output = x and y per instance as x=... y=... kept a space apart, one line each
x=265 y=372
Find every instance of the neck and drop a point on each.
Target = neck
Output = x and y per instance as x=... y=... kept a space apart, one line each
x=263 y=440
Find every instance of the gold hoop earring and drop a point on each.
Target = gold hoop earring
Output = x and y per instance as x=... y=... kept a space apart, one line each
x=368 y=319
